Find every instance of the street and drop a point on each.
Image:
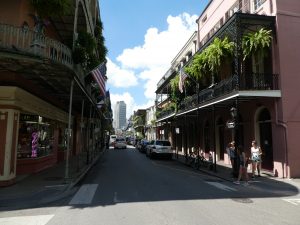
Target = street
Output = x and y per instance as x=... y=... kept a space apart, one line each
x=127 y=188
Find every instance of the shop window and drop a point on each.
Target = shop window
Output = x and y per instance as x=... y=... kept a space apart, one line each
x=35 y=136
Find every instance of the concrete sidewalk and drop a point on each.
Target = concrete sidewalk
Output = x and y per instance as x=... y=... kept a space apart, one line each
x=46 y=186
x=267 y=182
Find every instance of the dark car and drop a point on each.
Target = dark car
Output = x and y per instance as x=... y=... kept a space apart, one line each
x=143 y=145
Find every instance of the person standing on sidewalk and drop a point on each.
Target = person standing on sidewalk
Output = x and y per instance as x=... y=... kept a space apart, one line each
x=256 y=153
x=231 y=152
x=243 y=163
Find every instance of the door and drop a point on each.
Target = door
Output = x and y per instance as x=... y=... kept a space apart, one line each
x=265 y=131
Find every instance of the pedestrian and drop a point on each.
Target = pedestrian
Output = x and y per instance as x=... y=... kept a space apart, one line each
x=243 y=164
x=256 y=153
x=230 y=152
x=230 y=149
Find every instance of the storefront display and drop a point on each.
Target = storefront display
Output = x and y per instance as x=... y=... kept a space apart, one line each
x=35 y=136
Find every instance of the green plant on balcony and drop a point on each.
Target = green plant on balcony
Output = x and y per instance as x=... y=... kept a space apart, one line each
x=48 y=8
x=198 y=69
x=208 y=62
x=83 y=52
x=100 y=40
x=176 y=96
x=218 y=51
x=80 y=55
x=256 y=43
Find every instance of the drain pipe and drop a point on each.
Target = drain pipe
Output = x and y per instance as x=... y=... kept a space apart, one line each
x=284 y=126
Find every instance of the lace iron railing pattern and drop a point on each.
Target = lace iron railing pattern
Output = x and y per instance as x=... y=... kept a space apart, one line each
x=23 y=40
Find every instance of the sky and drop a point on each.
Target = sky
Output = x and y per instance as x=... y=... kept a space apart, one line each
x=142 y=38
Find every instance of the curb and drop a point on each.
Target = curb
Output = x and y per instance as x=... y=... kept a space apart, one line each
x=18 y=203
x=205 y=171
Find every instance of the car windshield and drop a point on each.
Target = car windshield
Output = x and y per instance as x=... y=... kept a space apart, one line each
x=163 y=143
x=120 y=139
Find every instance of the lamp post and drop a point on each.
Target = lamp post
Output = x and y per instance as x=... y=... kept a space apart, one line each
x=234 y=115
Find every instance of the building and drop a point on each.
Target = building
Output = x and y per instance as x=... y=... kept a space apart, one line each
x=139 y=122
x=150 y=125
x=48 y=98
x=244 y=93
x=120 y=115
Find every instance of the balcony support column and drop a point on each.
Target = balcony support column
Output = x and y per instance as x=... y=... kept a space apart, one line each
x=69 y=131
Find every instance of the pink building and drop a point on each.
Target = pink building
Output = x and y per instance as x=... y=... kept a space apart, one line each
x=261 y=88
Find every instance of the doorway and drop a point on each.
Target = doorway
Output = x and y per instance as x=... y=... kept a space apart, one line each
x=265 y=138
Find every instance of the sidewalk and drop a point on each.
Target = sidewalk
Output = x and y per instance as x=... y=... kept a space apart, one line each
x=46 y=186
x=267 y=182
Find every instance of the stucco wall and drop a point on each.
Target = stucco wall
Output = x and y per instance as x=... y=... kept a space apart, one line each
x=288 y=37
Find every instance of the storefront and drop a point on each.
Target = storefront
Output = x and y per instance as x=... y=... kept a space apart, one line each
x=36 y=136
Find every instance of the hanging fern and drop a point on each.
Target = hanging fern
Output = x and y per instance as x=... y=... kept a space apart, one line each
x=217 y=51
x=199 y=66
x=256 y=43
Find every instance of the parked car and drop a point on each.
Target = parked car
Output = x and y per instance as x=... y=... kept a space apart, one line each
x=143 y=145
x=159 y=148
x=112 y=139
x=120 y=143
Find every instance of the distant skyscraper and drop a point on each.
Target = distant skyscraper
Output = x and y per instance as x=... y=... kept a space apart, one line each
x=120 y=115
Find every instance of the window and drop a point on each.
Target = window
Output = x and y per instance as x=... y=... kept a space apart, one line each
x=204 y=19
x=258 y=3
x=163 y=143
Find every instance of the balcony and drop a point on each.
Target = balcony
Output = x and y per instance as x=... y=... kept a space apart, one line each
x=23 y=41
x=254 y=82
x=40 y=65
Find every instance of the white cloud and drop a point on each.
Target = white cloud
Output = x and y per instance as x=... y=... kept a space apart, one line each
x=120 y=77
x=129 y=101
x=160 y=48
x=150 y=61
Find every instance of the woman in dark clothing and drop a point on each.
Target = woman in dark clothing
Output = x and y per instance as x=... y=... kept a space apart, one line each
x=243 y=161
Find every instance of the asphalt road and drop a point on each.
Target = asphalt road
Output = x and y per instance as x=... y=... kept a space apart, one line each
x=127 y=188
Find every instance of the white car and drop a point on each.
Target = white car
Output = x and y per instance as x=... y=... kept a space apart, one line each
x=159 y=148
x=120 y=143
x=112 y=139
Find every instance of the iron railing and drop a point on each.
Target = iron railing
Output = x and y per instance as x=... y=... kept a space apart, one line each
x=254 y=81
x=23 y=40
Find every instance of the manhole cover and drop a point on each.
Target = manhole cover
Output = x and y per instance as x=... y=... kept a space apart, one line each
x=242 y=200
x=53 y=178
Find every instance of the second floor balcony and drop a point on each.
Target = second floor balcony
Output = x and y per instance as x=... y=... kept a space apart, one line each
x=42 y=66
x=237 y=75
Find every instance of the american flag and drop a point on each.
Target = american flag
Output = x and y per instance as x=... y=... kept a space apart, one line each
x=99 y=76
x=182 y=77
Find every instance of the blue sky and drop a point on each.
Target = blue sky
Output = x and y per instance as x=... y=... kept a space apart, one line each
x=142 y=38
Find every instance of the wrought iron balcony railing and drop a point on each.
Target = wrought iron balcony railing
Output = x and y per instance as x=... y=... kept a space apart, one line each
x=254 y=81
x=25 y=41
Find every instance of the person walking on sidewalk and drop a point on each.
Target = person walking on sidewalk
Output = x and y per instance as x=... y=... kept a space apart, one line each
x=243 y=164
x=256 y=153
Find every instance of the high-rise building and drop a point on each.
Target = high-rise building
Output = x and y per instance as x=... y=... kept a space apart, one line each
x=120 y=115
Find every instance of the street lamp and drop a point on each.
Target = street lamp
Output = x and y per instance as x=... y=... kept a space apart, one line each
x=234 y=115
